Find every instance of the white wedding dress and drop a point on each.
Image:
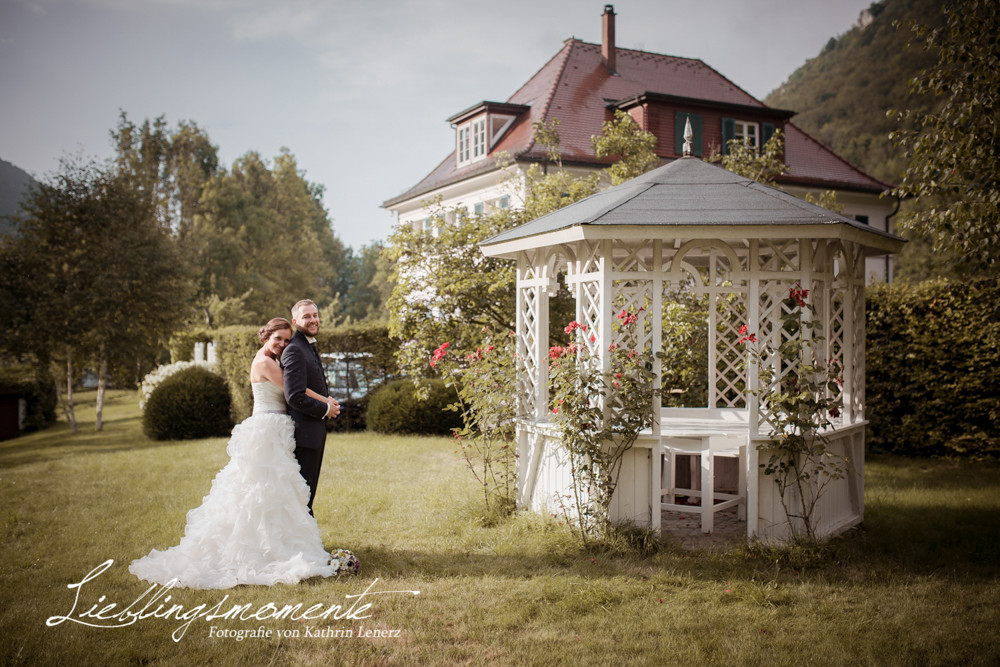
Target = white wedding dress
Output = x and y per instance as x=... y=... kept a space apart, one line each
x=253 y=527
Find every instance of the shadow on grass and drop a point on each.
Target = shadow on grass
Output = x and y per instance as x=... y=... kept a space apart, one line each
x=390 y=563
x=946 y=541
x=929 y=515
x=121 y=431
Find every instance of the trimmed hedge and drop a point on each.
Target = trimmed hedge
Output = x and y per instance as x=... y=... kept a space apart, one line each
x=181 y=343
x=395 y=408
x=369 y=345
x=235 y=348
x=369 y=355
x=367 y=348
x=933 y=368
x=191 y=403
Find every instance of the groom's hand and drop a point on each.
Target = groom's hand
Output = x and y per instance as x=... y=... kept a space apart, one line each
x=334 y=409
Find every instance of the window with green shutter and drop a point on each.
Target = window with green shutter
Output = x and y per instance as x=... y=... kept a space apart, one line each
x=728 y=133
x=766 y=132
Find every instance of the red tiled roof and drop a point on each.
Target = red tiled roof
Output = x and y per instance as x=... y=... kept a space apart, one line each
x=576 y=88
x=812 y=162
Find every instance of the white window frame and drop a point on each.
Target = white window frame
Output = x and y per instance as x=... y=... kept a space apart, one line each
x=462 y=137
x=471 y=141
x=478 y=138
x=748 y=132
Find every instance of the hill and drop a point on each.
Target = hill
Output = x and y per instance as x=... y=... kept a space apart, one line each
x=842 y=95
x=14 y=182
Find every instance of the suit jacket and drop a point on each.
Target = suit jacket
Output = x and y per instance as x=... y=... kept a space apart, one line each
x=303 y=369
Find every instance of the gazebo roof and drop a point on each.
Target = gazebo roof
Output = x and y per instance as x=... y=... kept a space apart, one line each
x=679 y=196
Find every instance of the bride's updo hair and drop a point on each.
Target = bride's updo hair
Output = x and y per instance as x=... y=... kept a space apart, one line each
x=277 y=324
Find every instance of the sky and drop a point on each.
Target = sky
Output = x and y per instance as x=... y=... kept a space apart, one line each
x=358 y=90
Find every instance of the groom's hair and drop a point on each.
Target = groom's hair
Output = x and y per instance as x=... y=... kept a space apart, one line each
x=299 y=305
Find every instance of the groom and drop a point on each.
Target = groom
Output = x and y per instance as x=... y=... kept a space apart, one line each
x=304 y=370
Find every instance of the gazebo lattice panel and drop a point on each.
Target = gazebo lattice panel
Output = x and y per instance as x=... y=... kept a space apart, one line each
x=590 y=313
x=529 y=380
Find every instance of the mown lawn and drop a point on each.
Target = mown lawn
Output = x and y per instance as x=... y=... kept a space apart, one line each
x=917 y=585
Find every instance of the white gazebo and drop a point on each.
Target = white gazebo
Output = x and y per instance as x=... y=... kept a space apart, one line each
x=696 y=228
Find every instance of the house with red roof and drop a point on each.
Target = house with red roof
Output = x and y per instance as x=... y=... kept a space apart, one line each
x=582 y=86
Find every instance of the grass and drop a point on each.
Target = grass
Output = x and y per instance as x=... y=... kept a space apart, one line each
x=917 y=585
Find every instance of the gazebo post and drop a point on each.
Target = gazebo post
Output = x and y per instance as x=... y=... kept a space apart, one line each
x=849 y=336
x=656 y=460
x=604 y=308
x=753 y=378
x=807 y=270
x=532 y=330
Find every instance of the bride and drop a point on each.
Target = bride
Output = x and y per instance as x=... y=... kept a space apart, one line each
x=253 y=527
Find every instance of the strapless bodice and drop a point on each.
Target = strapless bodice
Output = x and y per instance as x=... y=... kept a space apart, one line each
x=267 y=398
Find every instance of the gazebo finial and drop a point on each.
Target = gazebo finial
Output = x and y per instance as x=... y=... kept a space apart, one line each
x=688 y=136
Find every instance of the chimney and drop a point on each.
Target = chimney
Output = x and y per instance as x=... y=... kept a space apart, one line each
x=608 y=37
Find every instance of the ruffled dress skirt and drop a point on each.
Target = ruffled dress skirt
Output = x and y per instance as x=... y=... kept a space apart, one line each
x=253 y=527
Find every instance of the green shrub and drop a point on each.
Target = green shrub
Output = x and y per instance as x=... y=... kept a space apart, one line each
x=235 y=347
x=38 y=391
x=153 y=379
x=395 y=408
x=933 y=368
x=191 y=403
x=353 y=415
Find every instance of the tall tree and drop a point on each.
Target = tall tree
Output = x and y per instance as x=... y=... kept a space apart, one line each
x=171 y=166
x=263 y=236
x=140 y=288
x=445 y=289
x=953 y=153
x=366 y=286
x=92 y=275
x=45 y=273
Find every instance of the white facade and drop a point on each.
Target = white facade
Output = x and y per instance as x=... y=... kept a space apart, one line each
x=506 y=188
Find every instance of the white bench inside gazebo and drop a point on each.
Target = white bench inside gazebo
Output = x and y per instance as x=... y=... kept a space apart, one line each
x=696 y=228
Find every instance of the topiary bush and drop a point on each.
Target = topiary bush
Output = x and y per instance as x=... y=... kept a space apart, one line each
x=153 y=379
x=395 y=408
x=933 y=368
x=191 y=403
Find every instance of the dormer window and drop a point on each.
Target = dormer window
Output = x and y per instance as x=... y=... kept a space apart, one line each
x=479 y=129
x=463 y=144
x=472 y=139
x=478 y=138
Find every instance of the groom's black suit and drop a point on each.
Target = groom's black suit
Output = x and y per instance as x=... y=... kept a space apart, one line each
x=303 y=369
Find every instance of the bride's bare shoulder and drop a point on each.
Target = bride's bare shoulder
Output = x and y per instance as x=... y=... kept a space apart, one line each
x=265 y=368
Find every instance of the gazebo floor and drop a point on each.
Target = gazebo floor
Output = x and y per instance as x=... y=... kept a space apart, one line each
x=684 y=529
